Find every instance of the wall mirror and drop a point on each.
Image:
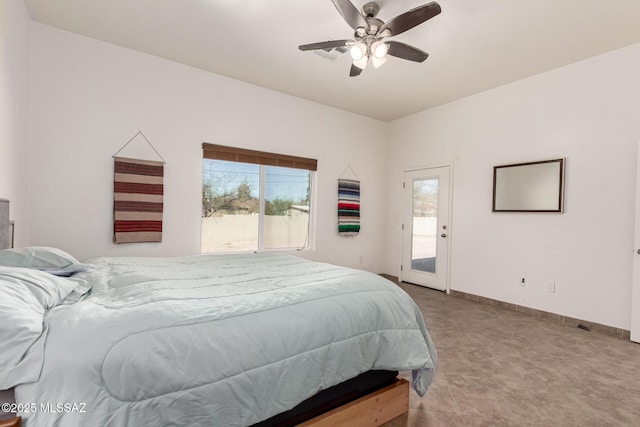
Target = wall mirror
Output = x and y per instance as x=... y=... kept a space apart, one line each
x=529 y=187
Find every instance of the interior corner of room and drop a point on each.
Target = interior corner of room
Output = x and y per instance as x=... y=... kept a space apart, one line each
x=68 y=101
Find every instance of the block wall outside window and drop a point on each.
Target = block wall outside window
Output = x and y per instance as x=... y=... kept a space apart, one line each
x=252 y=206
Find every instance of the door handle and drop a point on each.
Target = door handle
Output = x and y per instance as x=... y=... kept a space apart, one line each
x=444 y=235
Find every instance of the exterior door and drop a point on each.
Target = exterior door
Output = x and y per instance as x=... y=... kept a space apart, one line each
x=425 y=239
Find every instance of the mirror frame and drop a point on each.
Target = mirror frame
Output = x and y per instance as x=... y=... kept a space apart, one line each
x=559 y=207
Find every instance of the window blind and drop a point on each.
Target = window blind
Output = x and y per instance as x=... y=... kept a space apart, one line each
x=243 y=155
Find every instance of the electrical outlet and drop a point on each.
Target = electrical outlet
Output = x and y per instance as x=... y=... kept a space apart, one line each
x=361 y=259
x=551 y=287
x=522 y=282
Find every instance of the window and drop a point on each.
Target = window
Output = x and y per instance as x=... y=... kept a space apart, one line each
x=255 y=201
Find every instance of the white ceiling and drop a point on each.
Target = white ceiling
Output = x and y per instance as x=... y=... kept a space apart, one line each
x=474 y=45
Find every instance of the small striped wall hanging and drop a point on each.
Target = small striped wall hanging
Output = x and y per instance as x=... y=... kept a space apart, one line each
x=138 y=193
x=348 y=207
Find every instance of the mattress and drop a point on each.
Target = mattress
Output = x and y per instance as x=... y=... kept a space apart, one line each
x=217 y=340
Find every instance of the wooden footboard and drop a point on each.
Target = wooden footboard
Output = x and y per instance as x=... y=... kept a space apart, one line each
x=13 y=422
x=372 y=410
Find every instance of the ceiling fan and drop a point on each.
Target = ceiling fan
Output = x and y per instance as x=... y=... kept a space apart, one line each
x=370 y=33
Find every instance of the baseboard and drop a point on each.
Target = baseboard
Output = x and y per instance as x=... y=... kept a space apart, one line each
x=565 y=320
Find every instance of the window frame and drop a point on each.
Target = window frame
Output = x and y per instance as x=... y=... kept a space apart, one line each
x=263 y=158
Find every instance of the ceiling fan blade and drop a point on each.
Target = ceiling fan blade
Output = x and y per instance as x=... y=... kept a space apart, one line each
x=350 y=13
x=404 y=51
x=355 y=71
x=410 y=19
x=330 y=44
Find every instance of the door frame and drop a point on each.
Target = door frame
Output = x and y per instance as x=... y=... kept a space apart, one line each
x=449 y=219
x=635 y=281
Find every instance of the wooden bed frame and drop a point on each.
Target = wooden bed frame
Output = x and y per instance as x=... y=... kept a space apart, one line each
x=12 y=422
x=372 y=410
x=369 y=399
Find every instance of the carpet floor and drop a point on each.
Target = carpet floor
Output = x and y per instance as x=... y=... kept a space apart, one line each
x=502 y=368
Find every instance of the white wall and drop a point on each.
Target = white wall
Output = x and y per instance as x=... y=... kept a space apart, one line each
x=14 y=111
x=588 y=112
x=88 y=98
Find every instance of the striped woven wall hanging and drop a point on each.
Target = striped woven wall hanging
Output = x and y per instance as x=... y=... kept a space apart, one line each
x=348 y=207
x=138 y=193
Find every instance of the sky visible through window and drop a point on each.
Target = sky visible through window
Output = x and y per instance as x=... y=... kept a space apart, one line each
x=282 y=183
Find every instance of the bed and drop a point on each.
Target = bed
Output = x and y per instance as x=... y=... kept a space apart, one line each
x=208 y=340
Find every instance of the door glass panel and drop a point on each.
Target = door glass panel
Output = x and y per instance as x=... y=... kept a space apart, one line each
x=425 y=223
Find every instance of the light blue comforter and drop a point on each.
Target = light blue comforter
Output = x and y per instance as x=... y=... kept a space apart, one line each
x=218 y=340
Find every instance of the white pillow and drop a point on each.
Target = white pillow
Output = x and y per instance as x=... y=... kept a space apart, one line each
x=25 y=297
x=36 y=257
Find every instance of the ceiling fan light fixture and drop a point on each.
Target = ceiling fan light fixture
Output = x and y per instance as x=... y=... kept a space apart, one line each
x=369 y=33
x=361 y=63
x=358 y=51
x=380 y=50
x=377 y=62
